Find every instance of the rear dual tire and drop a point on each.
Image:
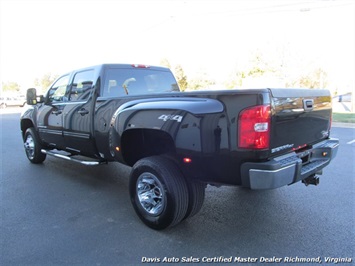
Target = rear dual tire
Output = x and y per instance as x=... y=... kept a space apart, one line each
x=160 y=195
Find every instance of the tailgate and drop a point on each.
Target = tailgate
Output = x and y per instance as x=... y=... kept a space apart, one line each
x=300 y=117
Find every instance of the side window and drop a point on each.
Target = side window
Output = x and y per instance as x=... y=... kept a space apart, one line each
x=82 y=85
x=58 y=91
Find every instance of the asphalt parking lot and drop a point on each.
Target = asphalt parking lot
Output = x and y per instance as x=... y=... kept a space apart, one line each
x=61 y=213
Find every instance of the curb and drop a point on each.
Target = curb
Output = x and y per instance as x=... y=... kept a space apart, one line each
x=340 y=124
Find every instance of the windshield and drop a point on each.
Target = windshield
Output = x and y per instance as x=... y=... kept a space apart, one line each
x=121 y=82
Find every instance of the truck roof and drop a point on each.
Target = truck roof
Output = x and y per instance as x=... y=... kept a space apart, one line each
x=113 y=65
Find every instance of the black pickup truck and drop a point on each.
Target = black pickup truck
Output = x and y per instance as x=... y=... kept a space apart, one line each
x=178 y=142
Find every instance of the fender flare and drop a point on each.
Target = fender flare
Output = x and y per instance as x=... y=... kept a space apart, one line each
x=179 y=117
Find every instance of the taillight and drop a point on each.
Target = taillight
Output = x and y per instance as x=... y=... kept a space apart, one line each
x=254 y=127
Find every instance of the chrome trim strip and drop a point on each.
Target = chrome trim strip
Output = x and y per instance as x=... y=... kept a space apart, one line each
x=61 y=156
x=76 y=135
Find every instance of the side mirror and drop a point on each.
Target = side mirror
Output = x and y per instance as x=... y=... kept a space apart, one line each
x=32 y=98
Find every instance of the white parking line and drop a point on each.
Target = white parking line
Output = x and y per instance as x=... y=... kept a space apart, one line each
x=351 y=142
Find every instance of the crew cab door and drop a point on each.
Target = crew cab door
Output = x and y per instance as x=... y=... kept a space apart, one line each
x=78 y=114
x=50 y=114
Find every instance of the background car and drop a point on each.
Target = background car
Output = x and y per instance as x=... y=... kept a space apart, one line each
x=6 y=101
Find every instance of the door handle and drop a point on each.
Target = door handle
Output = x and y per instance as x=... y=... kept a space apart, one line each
x=58 y=112
x=83 y=111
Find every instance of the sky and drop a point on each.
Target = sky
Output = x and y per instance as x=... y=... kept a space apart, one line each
x=212 y=37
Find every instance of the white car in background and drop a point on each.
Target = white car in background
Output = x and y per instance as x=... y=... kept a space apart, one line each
x=6 y=101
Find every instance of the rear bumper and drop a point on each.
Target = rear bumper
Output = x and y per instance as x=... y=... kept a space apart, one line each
x=290 y=168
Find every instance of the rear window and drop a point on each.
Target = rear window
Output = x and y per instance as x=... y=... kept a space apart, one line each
x=122 y=82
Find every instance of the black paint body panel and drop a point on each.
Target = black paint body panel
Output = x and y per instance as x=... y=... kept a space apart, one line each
x=202 y=126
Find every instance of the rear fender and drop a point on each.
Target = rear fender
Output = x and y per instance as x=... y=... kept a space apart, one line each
x=177 y=120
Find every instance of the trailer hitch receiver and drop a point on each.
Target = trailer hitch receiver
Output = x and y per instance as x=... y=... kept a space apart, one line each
x=311 y=180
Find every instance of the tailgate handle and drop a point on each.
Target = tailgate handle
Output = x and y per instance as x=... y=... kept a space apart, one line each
x=308 y=104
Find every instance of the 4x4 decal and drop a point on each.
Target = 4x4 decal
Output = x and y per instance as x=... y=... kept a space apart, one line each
x=177 y=118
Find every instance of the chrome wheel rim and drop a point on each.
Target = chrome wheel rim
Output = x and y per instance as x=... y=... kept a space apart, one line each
x=151 y=194
x=30 y=147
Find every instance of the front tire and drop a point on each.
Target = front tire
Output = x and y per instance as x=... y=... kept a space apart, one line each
x=158 y=191
x=33 y=147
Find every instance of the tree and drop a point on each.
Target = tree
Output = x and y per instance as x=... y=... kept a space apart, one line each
x=165 y=63
x=45 y=81
x=201 y=81
x=235 y=80
x=314 y=79
x=181 y=77
x=179 y=73
x=11 y=86
x=258 y=68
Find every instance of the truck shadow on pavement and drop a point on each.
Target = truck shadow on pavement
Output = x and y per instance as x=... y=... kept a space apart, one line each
x=232 y=220
x=224 y=207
